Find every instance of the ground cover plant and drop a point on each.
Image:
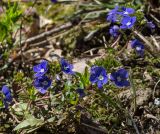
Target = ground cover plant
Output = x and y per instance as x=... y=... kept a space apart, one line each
x=80 y=66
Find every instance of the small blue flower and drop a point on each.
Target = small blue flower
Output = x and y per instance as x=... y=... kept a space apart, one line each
x=150 y=25
x=98 y=76
x=138 y=46
x=112 y=15
x=114 y=31
x=7 y=94
x=66 y=67
x=126 y=11
x=41 y=68
x=127 y=22
x=54 y=1
x=42 y=84
x=81 y=92
x=120 y=78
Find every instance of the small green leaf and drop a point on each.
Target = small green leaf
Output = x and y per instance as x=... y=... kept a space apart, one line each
x=1 y=103
x=23 y=124
x=30 y=121
x=51 y=119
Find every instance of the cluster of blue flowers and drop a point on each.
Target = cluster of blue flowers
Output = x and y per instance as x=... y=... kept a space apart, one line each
x=7 y=95
x=41 y=82
x=123 y=16
x=125 y=20
x=98 y=76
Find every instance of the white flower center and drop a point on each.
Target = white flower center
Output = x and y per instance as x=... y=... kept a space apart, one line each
x=100 y=77
x=42 y=70
x=128 y=23
x=65 y=68
x=119 y=79
x=138 y=48
x=125 y=12
x=45 y=83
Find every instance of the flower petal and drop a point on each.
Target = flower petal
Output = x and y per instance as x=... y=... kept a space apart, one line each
x=93 y=78
x=105 y=80
x=5 y=90
x=118 y=83
x=126 y=83
x=42 y=83
x=130 y=10
x=113 y=76
x=123 y=73
x=43 y=91
x=99 y=84
x=125 y=20
x=36 y=68
x=66 y=67
x=8 y=97
x=44 y=64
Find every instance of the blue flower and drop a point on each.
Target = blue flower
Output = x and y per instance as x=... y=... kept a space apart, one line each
x=66 y=67
x=127 y=22
x=81 y=92
x=112 y=15
x=98 y=76
x=42 y=84
x=120 y=78
x=138 y=46
x=54 y=1
x=7 y=94
x=126 y=11
x=114 y=31
x=150 y=25
x=117 y=13
x=41 y=68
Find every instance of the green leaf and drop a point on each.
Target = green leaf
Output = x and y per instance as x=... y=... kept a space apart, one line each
x=84 y=78
x=1 y=103
x=34 y=121
x=30 y=121
x=8 y=20
x=19 y=107
x=51 y=119
x=23 y=124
